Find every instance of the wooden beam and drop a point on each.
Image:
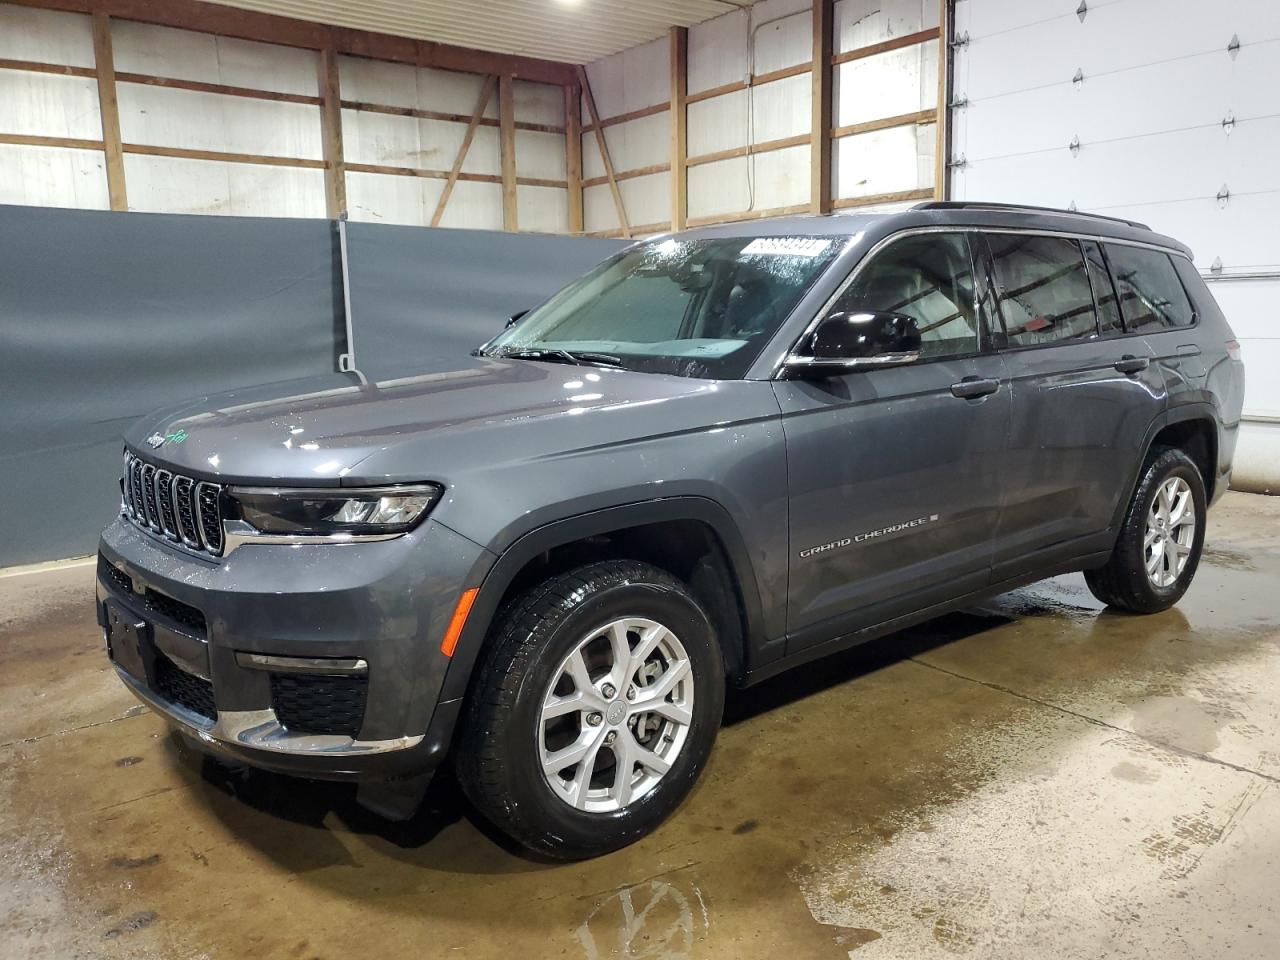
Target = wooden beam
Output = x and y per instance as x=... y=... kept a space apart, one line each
x=884 y=123
x=641 y=228
x=183 y=153
x=31 y=140
x=898 y=196
x=749 y=215
x=486 y=92
x=765 y=146
x=507 y=120
x=251 y=93
x=573 y=153
x=269 y=28
x=34 y=66
x=884 y=46
x=679 y=128
x=604 y=151
x=755 y=80
x=109 y=108
x=629 y=116
x=820 y=109
x=621 y=175
x=335 y=173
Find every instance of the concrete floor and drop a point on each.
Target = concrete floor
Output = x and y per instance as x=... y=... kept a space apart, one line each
x=1033 y=778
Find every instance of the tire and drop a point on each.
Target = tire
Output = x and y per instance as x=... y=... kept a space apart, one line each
x=530 y=663
x=1124 y=581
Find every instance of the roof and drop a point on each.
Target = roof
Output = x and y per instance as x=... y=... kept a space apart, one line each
x=934 y=213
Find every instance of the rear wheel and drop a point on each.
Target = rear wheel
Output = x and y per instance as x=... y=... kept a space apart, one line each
x=1158 y=549
x=595 y=709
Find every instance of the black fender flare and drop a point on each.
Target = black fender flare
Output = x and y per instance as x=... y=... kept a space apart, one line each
x=493 y=584
x=1183 y=412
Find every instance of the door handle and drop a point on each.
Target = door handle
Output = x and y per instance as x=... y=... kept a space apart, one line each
x=970 y=388
x=1130 y=364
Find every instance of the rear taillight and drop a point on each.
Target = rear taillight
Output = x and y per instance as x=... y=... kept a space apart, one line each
x=1233 y=350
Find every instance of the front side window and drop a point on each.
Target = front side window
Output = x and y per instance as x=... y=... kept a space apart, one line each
x=929 y=278
x=694 y=308
x=1043 y=289
x=1151 y=295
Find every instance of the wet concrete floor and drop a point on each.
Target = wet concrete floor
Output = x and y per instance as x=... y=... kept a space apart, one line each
x=1034 y=777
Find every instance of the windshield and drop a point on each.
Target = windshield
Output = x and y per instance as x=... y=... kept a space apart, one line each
x=694 y=308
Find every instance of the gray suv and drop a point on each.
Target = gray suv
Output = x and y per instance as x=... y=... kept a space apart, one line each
x=719 y=454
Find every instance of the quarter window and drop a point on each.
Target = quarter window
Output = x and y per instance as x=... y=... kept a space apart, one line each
x=1043 y=289
x=1151 y=295
x=929 y=278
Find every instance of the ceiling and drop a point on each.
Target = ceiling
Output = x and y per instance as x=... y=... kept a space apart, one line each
x=572 y=31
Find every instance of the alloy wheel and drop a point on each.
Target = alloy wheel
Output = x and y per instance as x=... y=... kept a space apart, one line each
x=1170 y=532
x=616 y=715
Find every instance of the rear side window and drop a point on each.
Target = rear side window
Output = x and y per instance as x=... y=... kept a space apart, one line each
x=1043 y=289
x=1104 y=291
x=1151 y=295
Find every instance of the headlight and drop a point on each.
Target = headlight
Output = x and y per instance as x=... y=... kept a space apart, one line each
x=374 y=510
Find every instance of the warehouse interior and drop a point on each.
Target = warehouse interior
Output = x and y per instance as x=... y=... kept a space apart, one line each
x=202 y=196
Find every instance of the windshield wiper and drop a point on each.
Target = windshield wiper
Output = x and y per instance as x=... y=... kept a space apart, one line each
x=581 y=358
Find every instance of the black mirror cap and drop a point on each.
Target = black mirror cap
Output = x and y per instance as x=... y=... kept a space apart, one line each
x=516 y=317
x=849 y=340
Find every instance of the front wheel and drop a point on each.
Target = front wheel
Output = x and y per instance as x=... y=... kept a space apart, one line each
x=1158 y=549
x=594 y=711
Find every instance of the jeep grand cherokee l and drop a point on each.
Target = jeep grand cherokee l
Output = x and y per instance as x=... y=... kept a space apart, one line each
x=717 y=455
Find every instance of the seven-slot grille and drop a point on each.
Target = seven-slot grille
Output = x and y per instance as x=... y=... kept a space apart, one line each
x=182 y=509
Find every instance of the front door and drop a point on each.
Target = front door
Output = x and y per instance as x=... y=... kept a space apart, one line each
x=895 y=473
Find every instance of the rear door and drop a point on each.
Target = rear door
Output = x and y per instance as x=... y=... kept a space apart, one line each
x=1084 y=393
x=894 y=474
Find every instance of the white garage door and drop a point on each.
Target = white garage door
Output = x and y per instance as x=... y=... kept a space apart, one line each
x=1164 y=111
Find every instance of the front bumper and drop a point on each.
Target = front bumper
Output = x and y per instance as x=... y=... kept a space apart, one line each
x=382 y=605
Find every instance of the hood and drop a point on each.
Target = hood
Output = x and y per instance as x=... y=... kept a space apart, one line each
x=333 y=432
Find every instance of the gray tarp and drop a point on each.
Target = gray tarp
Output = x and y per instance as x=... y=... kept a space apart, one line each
x=106 y=316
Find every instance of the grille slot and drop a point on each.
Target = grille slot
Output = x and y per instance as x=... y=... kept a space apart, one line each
x=149 y=496
x=135 y=488
x=185 y=510
x=186 y=690
x=164 y=497
x=183 y=487
x=208 y=496
x=122 y=580
x=183 y=613
x=313 y=703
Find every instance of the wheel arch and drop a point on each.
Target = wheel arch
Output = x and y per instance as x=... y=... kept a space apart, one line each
x=1190 y=427
x=525 y=551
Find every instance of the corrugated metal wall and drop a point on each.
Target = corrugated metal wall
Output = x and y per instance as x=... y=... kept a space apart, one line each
x=1164 y=111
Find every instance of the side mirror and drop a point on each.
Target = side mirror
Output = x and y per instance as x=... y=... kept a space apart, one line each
x=515 y=318
x=855 y=340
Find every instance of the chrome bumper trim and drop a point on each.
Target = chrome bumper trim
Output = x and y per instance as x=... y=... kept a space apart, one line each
x=327 y=666
x=261 y=730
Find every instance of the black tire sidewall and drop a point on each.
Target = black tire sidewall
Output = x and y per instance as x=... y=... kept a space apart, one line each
x=1171 y=463
x=575 y=831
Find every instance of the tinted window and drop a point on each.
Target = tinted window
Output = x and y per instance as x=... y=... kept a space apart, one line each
x=928 y=278
x=1043 y=289
x=1151 y=295
x=1104 y=291
x=695 y=308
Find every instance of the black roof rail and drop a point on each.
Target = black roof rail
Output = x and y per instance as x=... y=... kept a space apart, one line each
x=991 y=205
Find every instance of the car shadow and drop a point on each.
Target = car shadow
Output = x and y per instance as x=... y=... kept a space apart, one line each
x=257 y=805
